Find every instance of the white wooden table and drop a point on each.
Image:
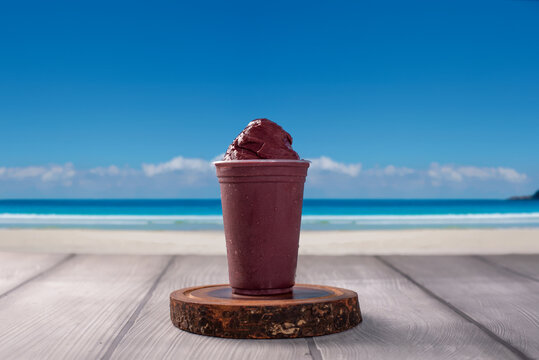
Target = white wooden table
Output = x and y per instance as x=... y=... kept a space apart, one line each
x=414 y=307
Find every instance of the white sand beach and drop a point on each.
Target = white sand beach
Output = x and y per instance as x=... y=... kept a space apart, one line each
x=382 y=242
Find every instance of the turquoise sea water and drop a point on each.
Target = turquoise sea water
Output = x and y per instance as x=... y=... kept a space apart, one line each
x=318 y=214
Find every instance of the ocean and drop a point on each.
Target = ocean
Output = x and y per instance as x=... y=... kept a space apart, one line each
x=318 y=214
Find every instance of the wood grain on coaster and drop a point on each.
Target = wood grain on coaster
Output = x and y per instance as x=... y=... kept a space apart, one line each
x=310 y=310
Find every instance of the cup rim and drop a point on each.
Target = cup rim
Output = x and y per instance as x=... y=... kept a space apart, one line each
x=253 y=161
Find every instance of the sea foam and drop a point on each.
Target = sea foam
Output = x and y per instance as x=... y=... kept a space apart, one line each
x=355 y=221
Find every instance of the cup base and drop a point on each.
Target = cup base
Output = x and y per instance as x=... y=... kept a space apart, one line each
x=261 y=292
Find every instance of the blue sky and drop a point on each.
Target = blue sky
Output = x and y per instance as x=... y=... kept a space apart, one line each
x=390 y=99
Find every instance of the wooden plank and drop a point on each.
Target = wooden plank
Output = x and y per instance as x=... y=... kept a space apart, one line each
x=523 y=265
x=504 y=303
x=400 y=320
x=154 y=337
x=19 y=268
x=76 y=310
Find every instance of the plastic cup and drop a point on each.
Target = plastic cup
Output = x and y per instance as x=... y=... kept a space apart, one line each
x=262 y=202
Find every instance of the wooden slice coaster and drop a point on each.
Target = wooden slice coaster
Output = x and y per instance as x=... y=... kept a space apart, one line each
x=310 y=310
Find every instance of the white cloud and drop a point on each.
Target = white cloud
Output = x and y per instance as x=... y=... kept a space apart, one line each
x=512 y=175
x=59 y=173
x=219 y=157
x=23 y=172
x=390 y=170
x=191 y=177
x=325 y=163
x=177 y=164
x=48 y=173
x=439 y=173
x=111 y=170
